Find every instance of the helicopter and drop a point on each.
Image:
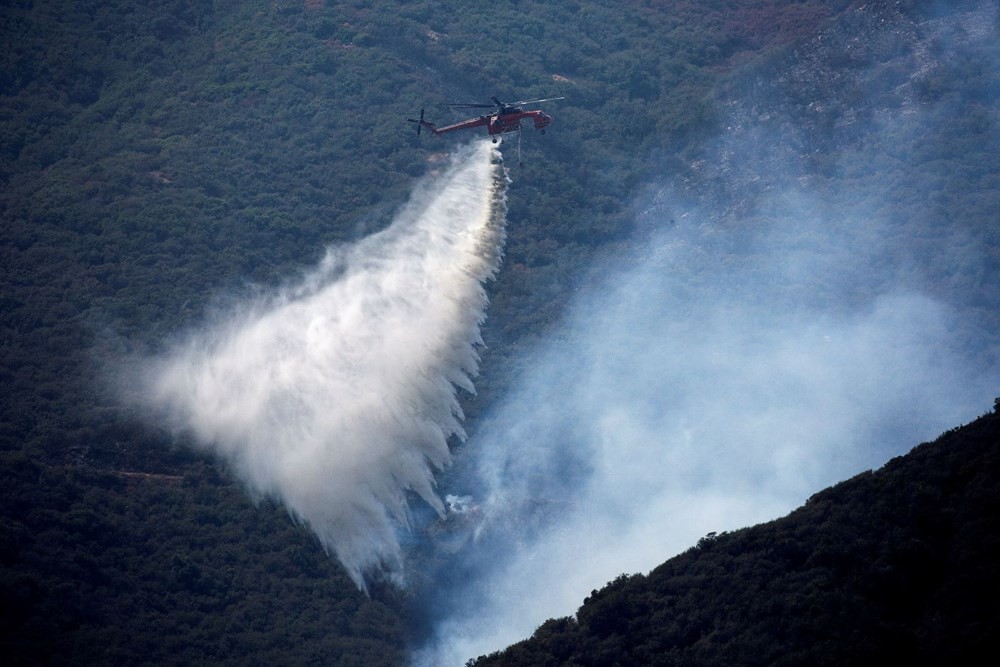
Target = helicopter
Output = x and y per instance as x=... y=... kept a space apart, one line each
x=504 y=118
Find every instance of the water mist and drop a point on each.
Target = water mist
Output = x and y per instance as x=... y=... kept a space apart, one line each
x=337 y=396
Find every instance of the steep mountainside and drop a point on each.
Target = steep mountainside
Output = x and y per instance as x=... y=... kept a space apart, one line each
x=160 y=160
x=896 y=564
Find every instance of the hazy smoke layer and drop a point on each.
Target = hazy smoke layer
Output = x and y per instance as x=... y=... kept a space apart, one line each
x=690 y=395
x=338 y=396
x=775 y=331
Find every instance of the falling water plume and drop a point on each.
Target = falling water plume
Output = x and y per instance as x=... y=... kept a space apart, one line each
x=338 y=396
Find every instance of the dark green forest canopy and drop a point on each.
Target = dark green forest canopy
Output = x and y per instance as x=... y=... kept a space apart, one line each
x=157 y=158
x=113 y=567
x=894 y=564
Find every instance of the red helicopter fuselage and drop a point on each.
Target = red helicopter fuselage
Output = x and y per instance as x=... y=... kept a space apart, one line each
x=507 y=118
x=496 y=123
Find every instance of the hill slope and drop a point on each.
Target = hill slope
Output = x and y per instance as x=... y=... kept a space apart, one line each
x=156 y=157
x=896 y=564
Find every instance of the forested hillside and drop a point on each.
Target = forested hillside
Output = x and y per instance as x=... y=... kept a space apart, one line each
x=158 y=155
x=895 y=564
x=159 y=160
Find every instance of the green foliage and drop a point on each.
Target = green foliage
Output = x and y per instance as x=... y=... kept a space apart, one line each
x=155 y=156
x=172 y=569
x=158 y=157
x=895 y=564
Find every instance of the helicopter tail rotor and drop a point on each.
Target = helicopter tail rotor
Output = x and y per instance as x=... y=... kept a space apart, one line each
x=420 y=123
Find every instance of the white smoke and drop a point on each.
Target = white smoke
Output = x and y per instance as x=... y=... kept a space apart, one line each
x=775 y=335
x=669 y=410
x=338 y=396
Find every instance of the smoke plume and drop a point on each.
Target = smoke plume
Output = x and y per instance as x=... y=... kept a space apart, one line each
x=794 y=311
x=338 y=396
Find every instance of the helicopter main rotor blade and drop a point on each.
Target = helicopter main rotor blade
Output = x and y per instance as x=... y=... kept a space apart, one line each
x=470 y=106
x=497 y=104
x=546 y=99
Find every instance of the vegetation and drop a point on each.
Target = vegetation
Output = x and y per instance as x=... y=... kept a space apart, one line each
x=896 y=564
x=118 y=567
x=157 y=157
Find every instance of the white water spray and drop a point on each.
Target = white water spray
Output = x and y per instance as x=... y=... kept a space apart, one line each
x=338 y=396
